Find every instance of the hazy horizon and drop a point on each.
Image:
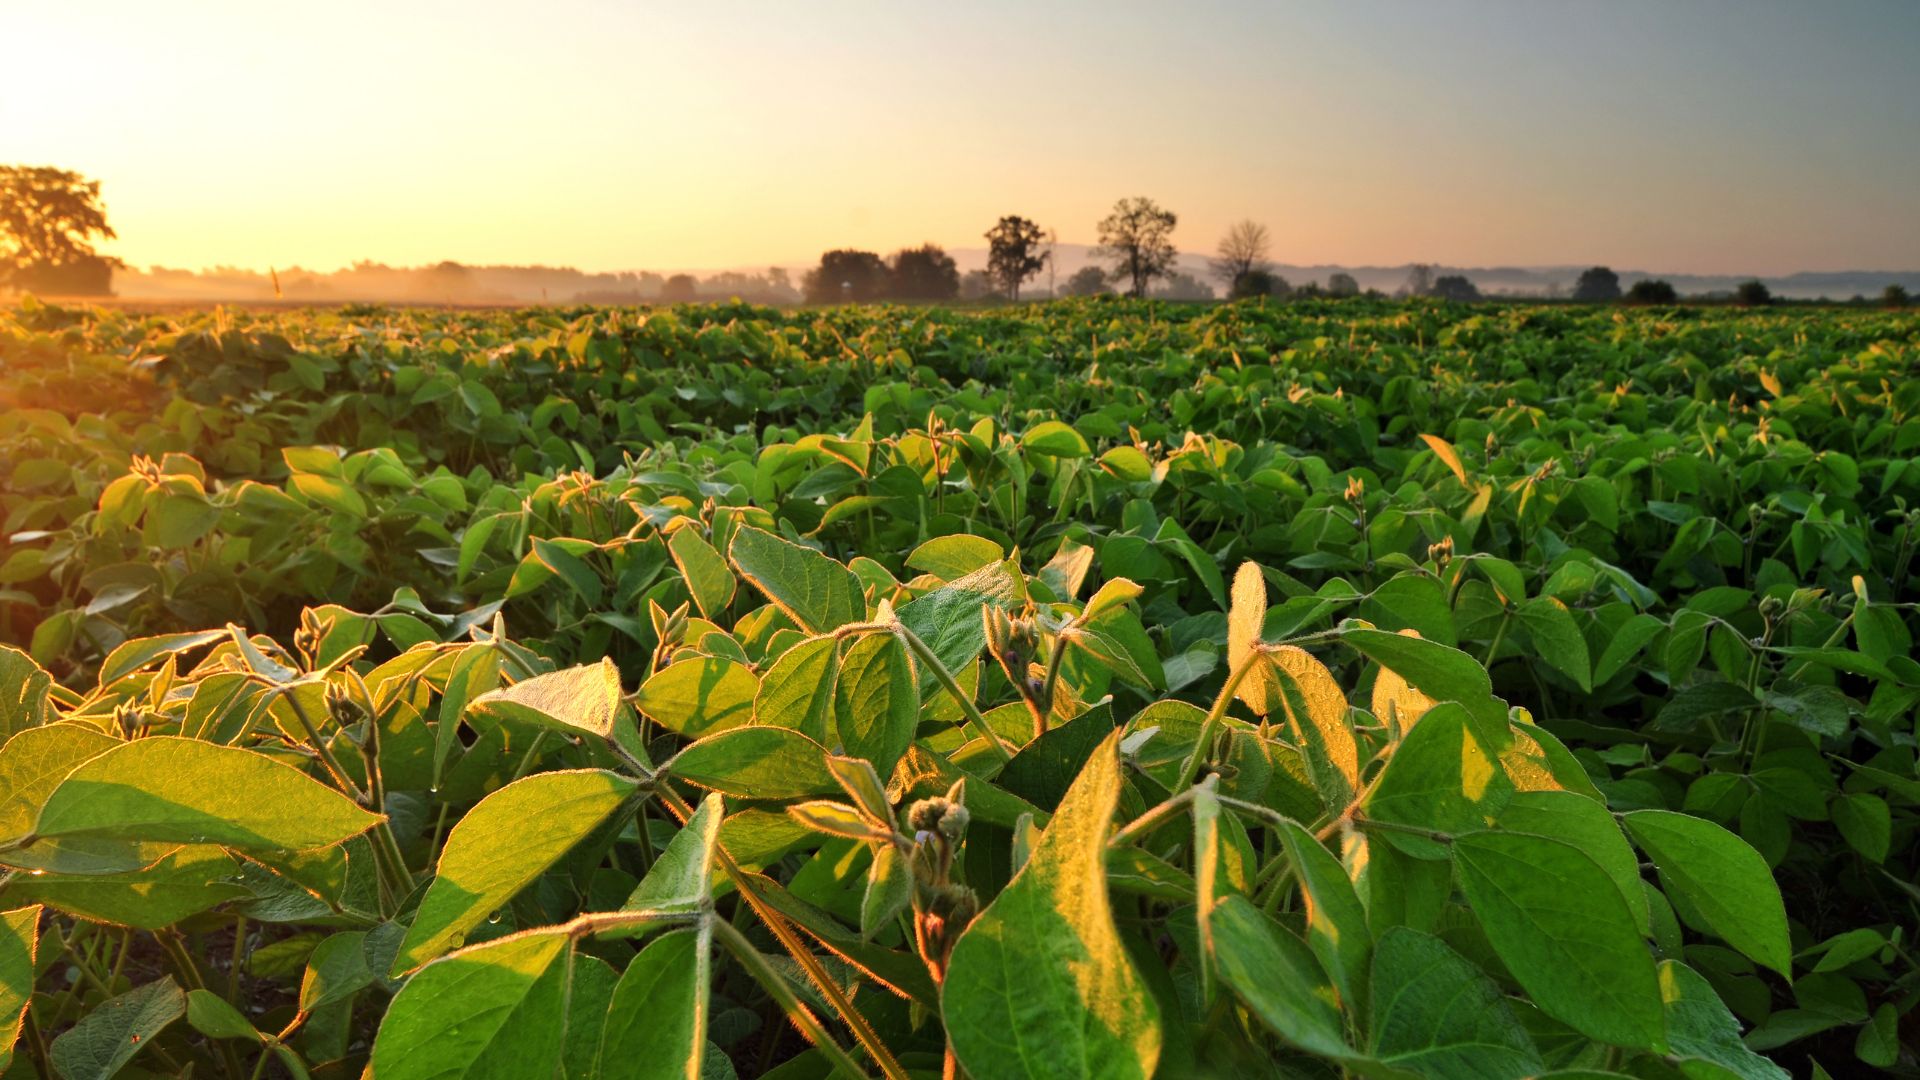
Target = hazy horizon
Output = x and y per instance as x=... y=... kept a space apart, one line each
x=1714 y=138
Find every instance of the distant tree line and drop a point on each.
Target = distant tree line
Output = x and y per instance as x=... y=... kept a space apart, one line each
x=51 y=218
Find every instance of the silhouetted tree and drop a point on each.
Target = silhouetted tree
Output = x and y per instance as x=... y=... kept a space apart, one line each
x=1138 y=237
x=1597 y=285
x=1017 y=249
x=1241 y=252
x=679 y=289
x=1652 y=291
x=976 y=285
x=924 y=273
x=1086 y=281
x=846 y=275
x=48 y=221
x=1753 y=293
x=1895 y=296
x=1419 y=280
x=1456 y=288
x=1342 y=285
x=1259 y=283
x=1181 y=286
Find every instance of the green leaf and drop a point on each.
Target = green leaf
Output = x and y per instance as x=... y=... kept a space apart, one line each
x=1557 y=639
x=492 y=1011
x=681 y=879
x=950 y=557
x=34 y=762
x=108 y=1037
x=705 y=571
x=560 y=557
x=1336 y=922
x=211 y=1016
x=814 y=591
x=337 y=969
x=185 y=882
x=657 y=1020
x=503 y=843
x=1248 y=613
x=1623 y=644
x=756 y=763
x=170 y=789
x=1578 y=820
x=1055 y=439
x=1878 y=1043
x=1437 y=1015
x=133 y=655
x=889 y=889
x=1699 y=1027
x=1317 y=713
x=1413 y=600
x=24 y=688
x=1112 y=595
x=329 y=493
x=178 y=518
x=1866 y=822
x=1717 y=878
x=948 y=618
x=699 y=695
x=19 y=941
x=581 y=699
x=876 y=704
x=1275 y=974
x=1040 y=984
x=797 y=691
x=1441 y=777
x=1560 y=925
x=1442 y=673
x=588 y=996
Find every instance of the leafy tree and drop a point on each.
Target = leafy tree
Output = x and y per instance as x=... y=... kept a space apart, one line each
x=1241 y=252
x=924 y=273
x=1419 y=280
x=49 y=219
x=1180 y=286
x=1895 y=296
x=1652 y=291
x=1342 y=284
x=1017 y=249
x=1753 y=293
x=1456 y=288
x=680 y=289
x=846 y=275
x=1138 y=237
x=1597 y=285
x=976 y=285
x=1259 y=283
x=1086 y=281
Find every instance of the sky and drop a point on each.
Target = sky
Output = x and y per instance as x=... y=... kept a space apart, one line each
x=1685 y=136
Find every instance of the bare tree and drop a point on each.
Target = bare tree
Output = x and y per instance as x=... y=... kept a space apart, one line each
x=1138 y=237
x=1242 y=251
x=1419 y=280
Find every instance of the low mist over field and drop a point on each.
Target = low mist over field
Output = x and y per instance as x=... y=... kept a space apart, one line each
x=453 y=283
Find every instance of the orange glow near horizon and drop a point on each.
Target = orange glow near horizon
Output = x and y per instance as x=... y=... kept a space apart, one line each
x=671 y=136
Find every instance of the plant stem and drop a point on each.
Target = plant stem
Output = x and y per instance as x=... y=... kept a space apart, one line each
x=945 y=678
x=776 y=985
x=1191 y=767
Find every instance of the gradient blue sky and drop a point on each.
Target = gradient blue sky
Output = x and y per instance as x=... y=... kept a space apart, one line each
x=1737 y=136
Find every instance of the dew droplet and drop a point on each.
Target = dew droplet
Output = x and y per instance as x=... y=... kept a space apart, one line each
x=494 y=918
